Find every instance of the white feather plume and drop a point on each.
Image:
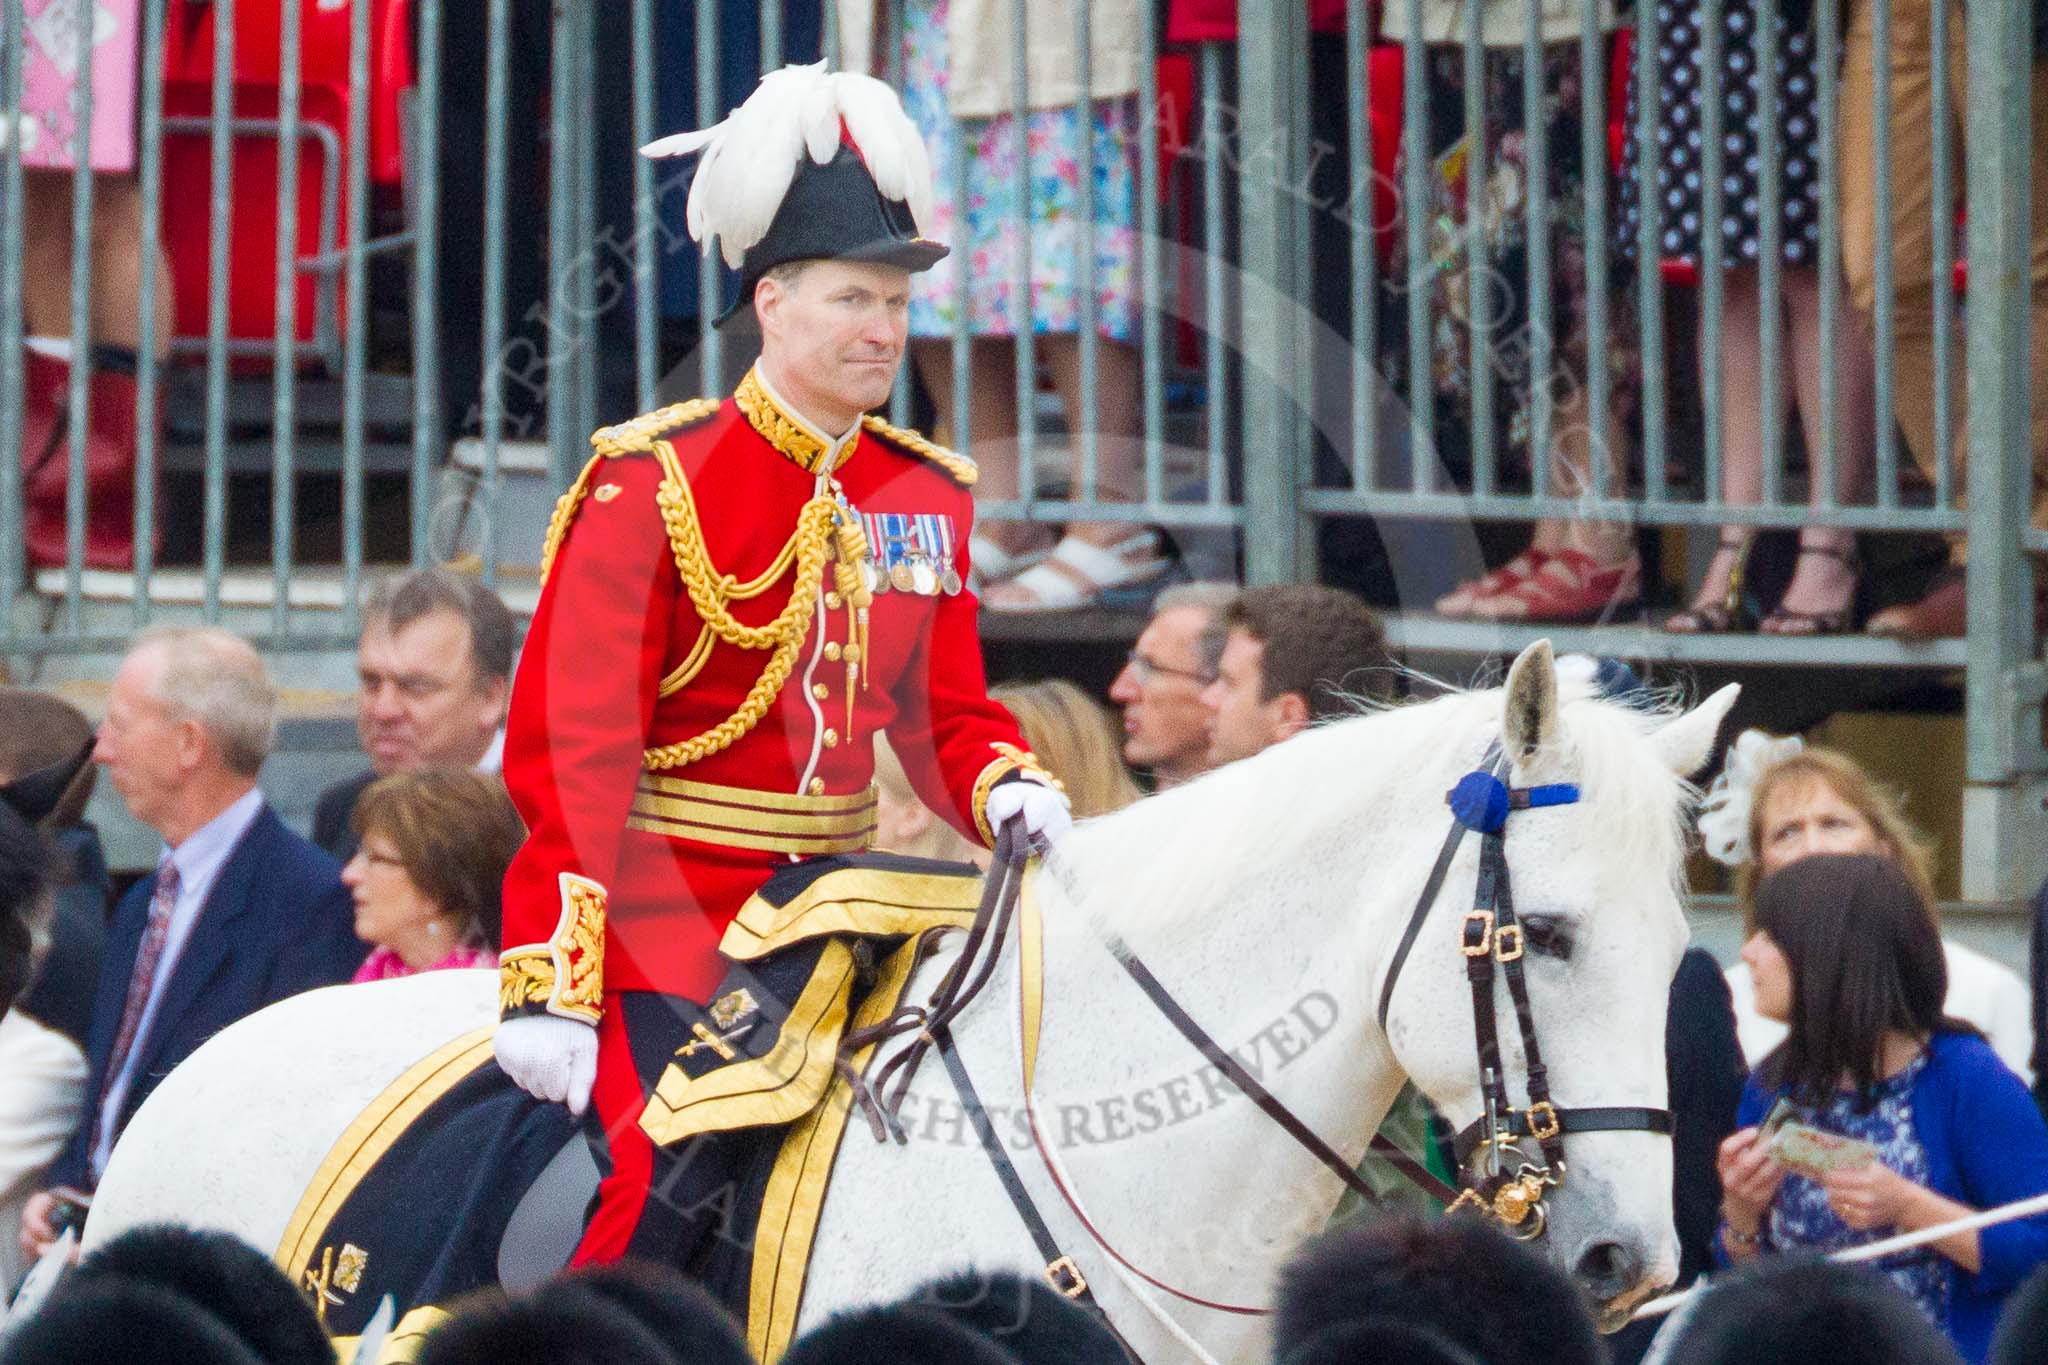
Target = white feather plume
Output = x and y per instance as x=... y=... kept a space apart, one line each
x=751 y=156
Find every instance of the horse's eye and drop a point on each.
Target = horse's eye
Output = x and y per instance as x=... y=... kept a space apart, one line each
x=1550 y=937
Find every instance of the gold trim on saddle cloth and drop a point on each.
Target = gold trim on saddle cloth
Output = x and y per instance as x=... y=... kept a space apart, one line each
x=739 y=817
x=402 y=1347
x=795 y=1196
x=871 y=902
x=364 y=1143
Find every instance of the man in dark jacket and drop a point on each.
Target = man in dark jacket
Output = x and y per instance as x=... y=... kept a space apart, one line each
x=240 y=912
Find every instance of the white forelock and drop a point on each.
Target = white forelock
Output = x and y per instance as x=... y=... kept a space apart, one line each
x=1205 y=841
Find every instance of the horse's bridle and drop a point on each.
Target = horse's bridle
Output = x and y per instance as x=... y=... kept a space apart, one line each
x=1497 y=1173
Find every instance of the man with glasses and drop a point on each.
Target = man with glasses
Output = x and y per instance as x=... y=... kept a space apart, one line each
x=1166 y=727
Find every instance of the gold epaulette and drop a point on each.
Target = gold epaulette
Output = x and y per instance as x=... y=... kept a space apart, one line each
x=635 y=437
x=959 y=466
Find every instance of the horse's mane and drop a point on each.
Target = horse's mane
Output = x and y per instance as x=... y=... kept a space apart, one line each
x=1197 y=845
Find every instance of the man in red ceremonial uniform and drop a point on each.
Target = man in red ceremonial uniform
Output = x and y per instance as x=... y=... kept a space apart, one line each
x=737 y=596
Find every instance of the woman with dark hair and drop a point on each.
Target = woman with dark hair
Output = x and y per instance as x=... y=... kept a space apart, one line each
x=429 y=864
x=1845 y=953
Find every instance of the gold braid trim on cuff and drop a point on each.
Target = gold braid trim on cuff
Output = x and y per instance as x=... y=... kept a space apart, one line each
x=564 y=976
x=710 y=592
x=1014 y=760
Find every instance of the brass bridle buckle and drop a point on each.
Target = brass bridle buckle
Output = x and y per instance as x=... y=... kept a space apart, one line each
x=1544 y=1123
x=1482 y=944
x=1066 y=1279
x=1507 y=943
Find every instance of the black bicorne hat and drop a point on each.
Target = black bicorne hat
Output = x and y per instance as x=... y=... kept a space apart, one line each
x=814 y=166
x=34 y=795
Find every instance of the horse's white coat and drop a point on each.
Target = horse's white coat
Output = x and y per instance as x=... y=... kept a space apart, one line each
x=1269 y=897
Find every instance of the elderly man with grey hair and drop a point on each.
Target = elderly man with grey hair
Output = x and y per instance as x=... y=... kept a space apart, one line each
x=435 y=666
x=239 y=913
x=1166 y=726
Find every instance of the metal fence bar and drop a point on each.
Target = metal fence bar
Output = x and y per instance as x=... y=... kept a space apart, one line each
x=962 y=340
x=355 y=286
x=219 y=228
x=771 y=35
x=1826 y=462
x=1215 y=303
x=1886 y=264
x=1941 y=96
x=1478 y=262
x=831 y=37
x=1449 y=505
x=584 y=262
x=491 y=398
x=1275 y=548
x=151 y=155
x=562 y=330
x=428 y=420
x=1599 y=376
x=284 y=333
x=1363 y=225
x=1152 y=380
x=13 y=559
x=1770 y=245
x=1542 y=344
x=2001 y=812
x=1712 y=263
x=1415 y=218
x=82 y=339
x=711 y=372
x=1656 y=413
x=892 y=68
x=646 y=267
x=1085 y=342
x=1024 y=309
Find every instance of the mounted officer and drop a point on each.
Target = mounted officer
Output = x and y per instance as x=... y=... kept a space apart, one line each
x=737 y=596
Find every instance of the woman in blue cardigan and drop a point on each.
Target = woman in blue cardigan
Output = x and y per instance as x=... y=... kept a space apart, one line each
x=1846 y=954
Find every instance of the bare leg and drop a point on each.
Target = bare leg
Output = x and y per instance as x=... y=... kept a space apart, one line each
x=990 y=436
x=116 y=261
x=1119 y=449
x=1742 y=453
x=1823 y=584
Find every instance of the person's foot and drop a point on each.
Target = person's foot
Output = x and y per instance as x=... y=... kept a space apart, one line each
x=1821 y=598
x=1461 y=600
x=1000 y=550
x=1570 y=587
x=1718 y=605
x=1940 y=615
x=1077 y=573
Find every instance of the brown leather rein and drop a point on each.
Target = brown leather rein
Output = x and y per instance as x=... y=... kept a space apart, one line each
x=1498 y=1176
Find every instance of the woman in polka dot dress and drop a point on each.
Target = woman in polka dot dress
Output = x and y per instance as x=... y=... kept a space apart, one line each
x=1822 y=591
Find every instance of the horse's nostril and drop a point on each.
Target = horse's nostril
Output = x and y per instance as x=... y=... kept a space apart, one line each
x=1608 y=1269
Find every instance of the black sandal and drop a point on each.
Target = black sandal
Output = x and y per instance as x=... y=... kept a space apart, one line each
x=1803 y=624
x=1734 y=612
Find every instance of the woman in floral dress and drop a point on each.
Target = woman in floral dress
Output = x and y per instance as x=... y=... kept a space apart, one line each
x=1021 y=570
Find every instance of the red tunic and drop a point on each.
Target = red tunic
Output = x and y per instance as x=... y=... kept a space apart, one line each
x=593 y=905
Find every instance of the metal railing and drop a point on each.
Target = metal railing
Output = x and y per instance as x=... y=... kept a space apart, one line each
x=1240 y=424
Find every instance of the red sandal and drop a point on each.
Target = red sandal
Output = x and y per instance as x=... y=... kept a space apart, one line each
x=1462 y=600
x=1571 y=588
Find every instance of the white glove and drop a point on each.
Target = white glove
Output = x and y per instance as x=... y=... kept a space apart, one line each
x=549 y=1058
x=1047 y=817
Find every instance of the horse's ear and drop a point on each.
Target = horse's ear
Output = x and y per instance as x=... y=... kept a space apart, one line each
x=1529 y=703
x=1685 y=741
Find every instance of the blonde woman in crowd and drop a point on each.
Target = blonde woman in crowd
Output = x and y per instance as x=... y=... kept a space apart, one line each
x=905 y=824
x=1778 y=801
x=1076 y=740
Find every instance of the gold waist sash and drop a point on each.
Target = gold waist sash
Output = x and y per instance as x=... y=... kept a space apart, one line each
x=740 y=817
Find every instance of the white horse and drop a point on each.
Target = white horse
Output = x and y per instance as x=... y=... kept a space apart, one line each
x=1268 y=897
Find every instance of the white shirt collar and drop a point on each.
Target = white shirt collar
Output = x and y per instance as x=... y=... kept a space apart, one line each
x=835 y=446
x=199 y=858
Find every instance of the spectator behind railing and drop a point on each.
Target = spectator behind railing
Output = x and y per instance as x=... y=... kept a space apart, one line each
x=1294 y=654
x=239 y=913
x=44 y=776
x=957 y=83
x=1845 y=953
x=1166 y=727
x=434 y=666
x=1821 y=596
x=432 y=849
x=1076 y=740
x=1572 y=570
x=48 y=134
x=1915 y=125
x=1776 y=802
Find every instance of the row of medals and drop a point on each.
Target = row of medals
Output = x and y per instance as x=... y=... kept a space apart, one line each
x=916 y=573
